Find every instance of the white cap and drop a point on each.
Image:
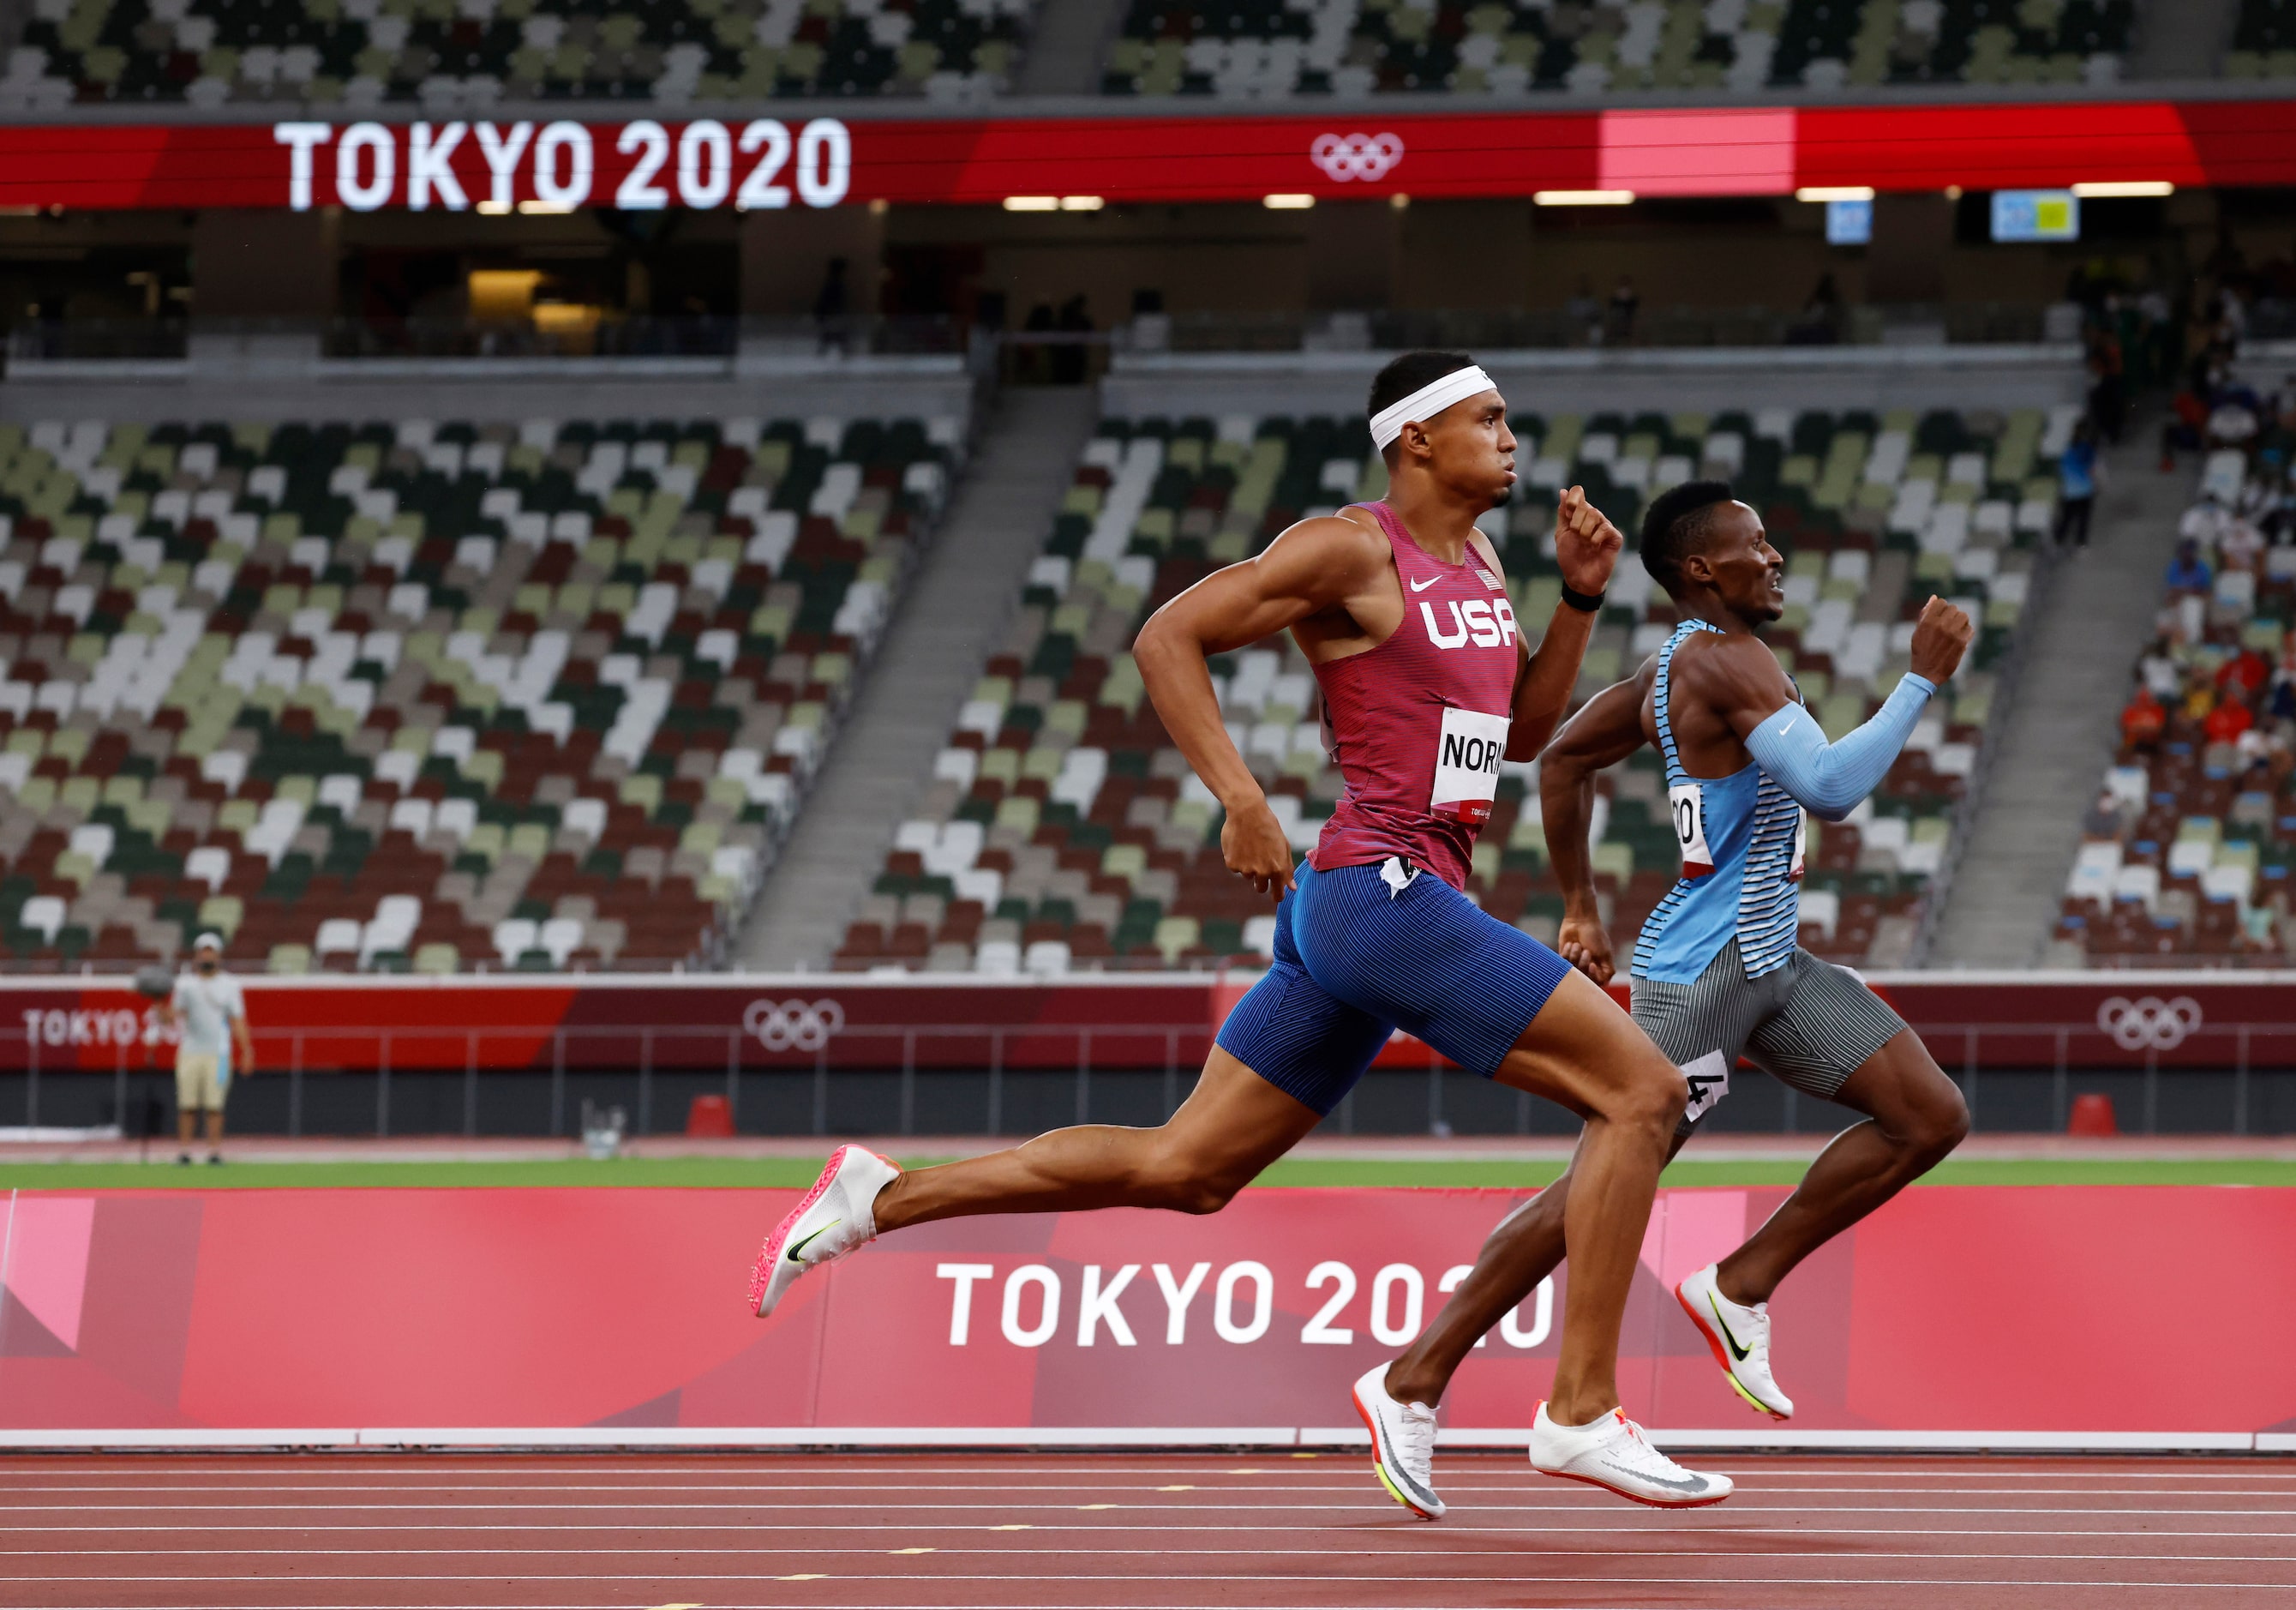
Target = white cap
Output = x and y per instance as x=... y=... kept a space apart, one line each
x=210 y=940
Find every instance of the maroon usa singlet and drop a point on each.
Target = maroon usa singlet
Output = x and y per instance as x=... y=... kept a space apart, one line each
x=1418 y=724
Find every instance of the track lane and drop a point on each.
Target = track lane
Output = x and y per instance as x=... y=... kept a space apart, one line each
x=1134 y=1533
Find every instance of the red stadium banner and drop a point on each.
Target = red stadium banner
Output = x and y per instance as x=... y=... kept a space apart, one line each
x=767 y=163
x=1956 y=1317
x=1151 y=1021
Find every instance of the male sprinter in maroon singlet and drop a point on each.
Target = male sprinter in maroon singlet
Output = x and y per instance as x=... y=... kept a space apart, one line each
x=1427 y=682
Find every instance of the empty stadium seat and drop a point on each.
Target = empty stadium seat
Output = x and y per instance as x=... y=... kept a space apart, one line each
x=395 y=695
x=2263 y=40
x=1063 y=832
x=467 y=58
x=1247 y=49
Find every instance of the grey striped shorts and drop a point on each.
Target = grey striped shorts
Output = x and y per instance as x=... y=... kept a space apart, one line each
x=1810 y=1024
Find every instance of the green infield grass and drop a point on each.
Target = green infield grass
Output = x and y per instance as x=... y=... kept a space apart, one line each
x=717 y=1173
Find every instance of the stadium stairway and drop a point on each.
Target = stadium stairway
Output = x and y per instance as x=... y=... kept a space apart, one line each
x=2184 y=42
x=1070 y=39
x=931 y=652
x=2097 y=614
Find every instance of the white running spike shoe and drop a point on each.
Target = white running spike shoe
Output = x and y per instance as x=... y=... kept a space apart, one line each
x=836 y=1215
x=1612 y=1452
x=1740 y=1337
x=1402 y=1445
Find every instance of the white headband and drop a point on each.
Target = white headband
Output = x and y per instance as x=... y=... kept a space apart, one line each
x=1427 y=402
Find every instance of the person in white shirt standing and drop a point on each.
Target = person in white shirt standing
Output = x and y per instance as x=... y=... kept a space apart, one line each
x=210 y=1011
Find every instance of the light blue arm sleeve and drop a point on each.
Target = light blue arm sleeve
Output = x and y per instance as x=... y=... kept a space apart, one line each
x=1831 y=778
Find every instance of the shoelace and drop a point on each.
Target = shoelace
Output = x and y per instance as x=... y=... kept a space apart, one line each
x=1666 y=1464
x=1414 y=1441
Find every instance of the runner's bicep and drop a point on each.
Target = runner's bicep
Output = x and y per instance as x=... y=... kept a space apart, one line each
x=1606 y=730
x=1314 y=566
x=1228 y=610
x=1742 y=682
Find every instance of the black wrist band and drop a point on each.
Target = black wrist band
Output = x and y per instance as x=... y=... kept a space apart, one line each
x=1585 y=603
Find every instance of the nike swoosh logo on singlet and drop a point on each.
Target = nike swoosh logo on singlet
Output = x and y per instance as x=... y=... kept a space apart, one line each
x=1420 y=587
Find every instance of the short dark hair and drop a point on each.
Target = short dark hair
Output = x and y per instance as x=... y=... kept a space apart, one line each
x=1406 y=375
x=1676 y=523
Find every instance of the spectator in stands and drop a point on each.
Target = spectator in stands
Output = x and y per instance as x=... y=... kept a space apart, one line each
x=2200 y=696
x=2206 y=521
x=2104 y=819
x=2188 y=571
x=2228 y=722
x=1819 y=321
x=2105 y=394
x=2142 y=721
x=211 y=1013
x=2282 y=700
x=831 y=307
x=2158 y=320
x=1073 y=362
x=2243 y=676
x=2077 y=478
x=1584 y=312
x=2189 y=416
x=2232 y=423
x=1625 y=301
x=2160 y=669
x=2240 y=546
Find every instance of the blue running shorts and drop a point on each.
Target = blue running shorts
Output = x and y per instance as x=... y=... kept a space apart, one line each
x=1361 y=951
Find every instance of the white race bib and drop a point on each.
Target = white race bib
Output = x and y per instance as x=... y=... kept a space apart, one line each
x=1467 y=756
x=1686 y=803
x=1801 y=840
x=1708 y=1079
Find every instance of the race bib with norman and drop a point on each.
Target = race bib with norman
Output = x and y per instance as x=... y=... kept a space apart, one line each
x=1467 y=755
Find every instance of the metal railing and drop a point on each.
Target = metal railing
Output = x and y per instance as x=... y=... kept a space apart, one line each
x=1955 y=323
x=353 y=338
x=730 y=1058
x=98 y=340
x=639 y=337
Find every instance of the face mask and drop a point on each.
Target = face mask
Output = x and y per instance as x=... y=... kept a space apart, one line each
x=206 y=967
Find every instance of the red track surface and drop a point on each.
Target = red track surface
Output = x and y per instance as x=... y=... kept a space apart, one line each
x=1177 y=1532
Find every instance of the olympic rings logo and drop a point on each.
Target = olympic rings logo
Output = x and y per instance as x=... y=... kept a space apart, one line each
x=2149 y=1023
x=793 y=1025
x=1356 y=156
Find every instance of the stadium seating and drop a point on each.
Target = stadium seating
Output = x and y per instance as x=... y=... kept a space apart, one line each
x=466 y=56
x=2188 y=850
x=422 y=694
x=2263 y=41
x=1063 y=832
x=1248 y=50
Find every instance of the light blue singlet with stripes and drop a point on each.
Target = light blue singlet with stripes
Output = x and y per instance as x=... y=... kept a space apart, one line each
x=1750 y=829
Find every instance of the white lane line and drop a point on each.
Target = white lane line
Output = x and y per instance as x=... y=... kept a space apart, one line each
x=414 y=1466
x=1836 y=1489
x=1614 y=1521
x=1367 y=1507
x=816 y=1551
x=937 y=1579
x=1219 y=1604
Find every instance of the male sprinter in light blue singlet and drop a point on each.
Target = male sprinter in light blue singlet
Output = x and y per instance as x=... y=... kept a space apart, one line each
x=1717 y=973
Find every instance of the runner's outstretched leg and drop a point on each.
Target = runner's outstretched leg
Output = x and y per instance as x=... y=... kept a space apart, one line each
x=1522 y=1250
x=1233 y=1125
x=1582 y=1051
x=1914 y=1116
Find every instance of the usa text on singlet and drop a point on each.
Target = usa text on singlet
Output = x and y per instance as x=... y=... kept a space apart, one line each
x=1418 y=725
